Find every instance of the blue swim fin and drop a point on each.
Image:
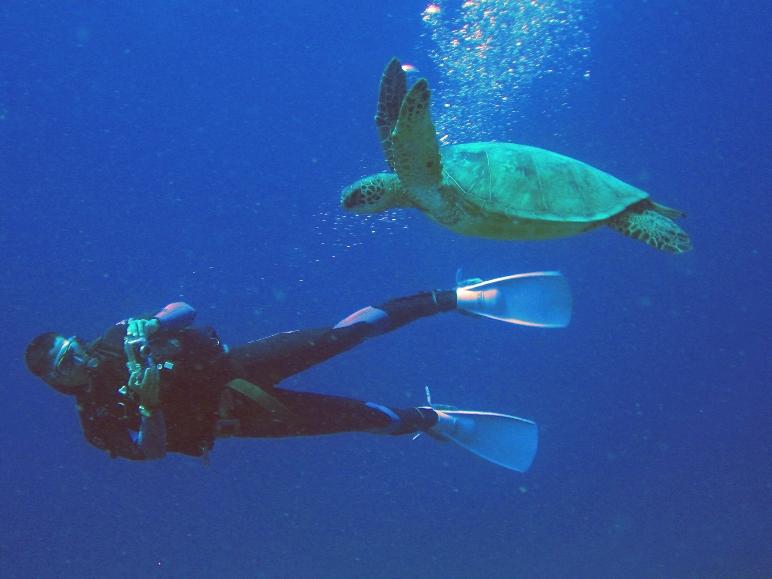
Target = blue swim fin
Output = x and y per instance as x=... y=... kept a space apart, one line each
x=541 y=299
x=505 y=440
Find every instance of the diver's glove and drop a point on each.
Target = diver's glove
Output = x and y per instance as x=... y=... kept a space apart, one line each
x=140 y=328
x=144 y=382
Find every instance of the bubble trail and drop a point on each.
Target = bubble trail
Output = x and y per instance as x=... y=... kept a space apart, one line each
x=491 y=52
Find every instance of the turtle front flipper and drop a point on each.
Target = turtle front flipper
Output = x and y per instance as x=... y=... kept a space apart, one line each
x=393 y=89
x=416 y=152
x=644 y=222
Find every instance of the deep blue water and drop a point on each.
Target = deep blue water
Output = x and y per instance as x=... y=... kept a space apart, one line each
x=158 y=151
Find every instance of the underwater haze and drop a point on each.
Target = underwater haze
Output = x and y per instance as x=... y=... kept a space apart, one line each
x=153 y=152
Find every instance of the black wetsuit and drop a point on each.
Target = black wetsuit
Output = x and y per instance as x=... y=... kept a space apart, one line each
x=198 y=406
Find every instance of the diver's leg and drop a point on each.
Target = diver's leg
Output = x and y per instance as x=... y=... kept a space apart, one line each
x=396 y=313
x=270 y=360
x=314 y=414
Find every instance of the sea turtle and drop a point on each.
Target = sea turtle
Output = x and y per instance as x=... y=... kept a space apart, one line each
x=497 y=190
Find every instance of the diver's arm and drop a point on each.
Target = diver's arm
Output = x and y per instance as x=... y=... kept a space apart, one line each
x=108 y=433
x=145 y=384
x=105 y=430
x=151 y=438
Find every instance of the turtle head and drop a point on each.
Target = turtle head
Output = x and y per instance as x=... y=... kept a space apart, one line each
x=374 y=194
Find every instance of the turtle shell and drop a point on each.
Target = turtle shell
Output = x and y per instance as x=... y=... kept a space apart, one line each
x=525 y=182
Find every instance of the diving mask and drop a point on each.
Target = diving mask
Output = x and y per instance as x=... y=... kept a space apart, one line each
x=70 y=355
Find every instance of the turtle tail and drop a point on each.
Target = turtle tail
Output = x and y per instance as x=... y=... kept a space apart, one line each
x=653 y=224
x=666 y=211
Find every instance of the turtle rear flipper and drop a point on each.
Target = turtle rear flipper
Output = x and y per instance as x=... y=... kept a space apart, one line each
x=416 y=152
x=393 y=89
x=653 y=228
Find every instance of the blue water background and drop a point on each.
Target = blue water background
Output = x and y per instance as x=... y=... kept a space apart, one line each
x=161 y=151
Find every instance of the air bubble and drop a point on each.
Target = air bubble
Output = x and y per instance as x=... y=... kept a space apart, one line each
x=493 y=51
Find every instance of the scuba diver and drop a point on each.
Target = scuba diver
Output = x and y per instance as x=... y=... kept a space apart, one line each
x=154 y=384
